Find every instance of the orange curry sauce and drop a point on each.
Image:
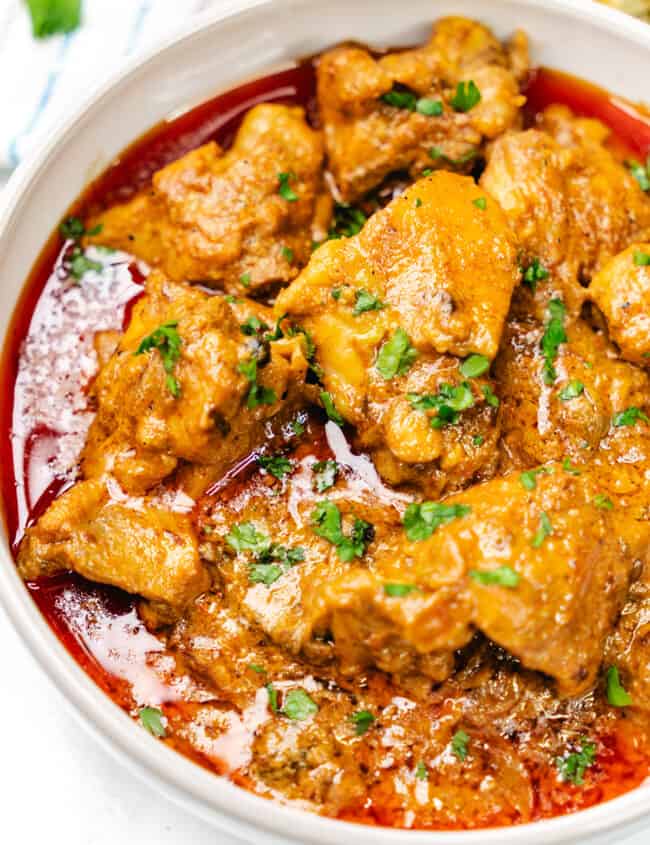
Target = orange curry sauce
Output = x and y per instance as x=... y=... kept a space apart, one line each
x=48 y=360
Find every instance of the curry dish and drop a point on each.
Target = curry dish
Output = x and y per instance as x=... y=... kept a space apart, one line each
x=330 y=435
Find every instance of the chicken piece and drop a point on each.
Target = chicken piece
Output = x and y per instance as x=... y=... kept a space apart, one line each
x=572 y=204
x=428 y=278
x=136 y=546
x=570 y=417
x=622 y=292
x=203 y=396
x=368 y=106
x=239 y=220
x=541 y=572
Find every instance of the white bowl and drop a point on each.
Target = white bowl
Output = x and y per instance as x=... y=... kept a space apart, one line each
x=251 y=39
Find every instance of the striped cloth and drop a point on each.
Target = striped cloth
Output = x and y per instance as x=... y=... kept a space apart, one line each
x=42 y=80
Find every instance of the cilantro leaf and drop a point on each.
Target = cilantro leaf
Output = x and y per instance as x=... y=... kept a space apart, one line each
x=285 y=190
x=534 y=273
x=529 y=478
x=400 y=98
x=327 y=523
x=276 y=465
x=572 y=767
x=545 y=530
x=168 y=342
x=298 y=705
x=330 y=408
x=151 y=719
x=642 y=259
x=253 y=326
x=257 y=394
x=396 y=356
x=641 y=173
x=50 y=17
x=325 y=473
x=475 y=366
x=246 y=538
x=362 y=720
x=273 y=698
x=629 y=417
x=399 y=590
x=481 y=203
x=459 y=745
x=616 y=694
x=422 y=519
x=572 y=390
x=80 y=264
x=467 y=96
x=603 y=502
x=429 y=107
x=348 y=221
x=421 y=771
x=502 y=576
x=366 y=302
x=448 y=402
x=554 y=336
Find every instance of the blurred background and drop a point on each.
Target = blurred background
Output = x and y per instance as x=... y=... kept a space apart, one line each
x=56 y=782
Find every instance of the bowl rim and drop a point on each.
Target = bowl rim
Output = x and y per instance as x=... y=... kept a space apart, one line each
x=215 y=799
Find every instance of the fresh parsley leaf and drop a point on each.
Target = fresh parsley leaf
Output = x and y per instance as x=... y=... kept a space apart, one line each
x=330 y=408
x=616 y=694
x=545 y=530
x=481 y=203
x=245 y=279
x=568 y=467
x=168 y=342
x=325 y=473
x=502 y=576
x=490 y=396
x=572 y=390
x=603 y=502
x=327 y=523
x=448 y=402
x=264 y=573
x=534 y=273
x=400 y=98
x=80 y=264
x=573 y=766
x=466 y=97
x=366 y=302
x=285 y=189
x=459 y=745
x=398 y=591
x=246 y=538
x=297 y=427
x=642 y=259
x=362 y=720
x=257 y=394
x=348 y=221
x=529 y=478
x=50 y=17
x=276 y=465
x=554 y=336
x=429 y=107
x=641 y=173
x=422 y=519
x=629 y=417
x=298 y=705
x=396 y=356
x=475 y=366
x=151 y=719
x=421 y=771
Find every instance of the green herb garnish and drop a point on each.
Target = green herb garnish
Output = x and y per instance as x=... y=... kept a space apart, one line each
x=629 y=417
x=642 y=259
x=572 y=390
x=459 y=745
x=276 y=465
x=529 y=478
x=327 y=523
x=285 y=189
x=616 y=694
x=568 y=467
x=50 y=17
x=534 y=273
x=396 y=356
x=641 y=173
x=554 y=336
x=348 y=221
x=545 y=530
x=330 y=408
x=253 y=326
x=365 y=301
x=168 y=343
x=603 y=502
x=422 y=519
x=466 y=97
x=437 y=154
x=448 y=402
x=151 y=719
x=325 y=473
x=429 y=107
x=245 y=279
x=421 y=771
x=398 y=591
x=80 y=264
x=475 y=366
x=273 y=697
x=502 y=576
x=73 y=229
x=257 y=394
x=298 y=706
x=362 y=720
x=481 y=203
x=572 y=767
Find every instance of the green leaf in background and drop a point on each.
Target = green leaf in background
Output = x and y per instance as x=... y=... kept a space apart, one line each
x=50 y=17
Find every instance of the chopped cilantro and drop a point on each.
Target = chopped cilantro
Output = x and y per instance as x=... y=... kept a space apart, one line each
x=399 y=590
x=478 y=440
x=348 y=221
x=642 y=259
x=325 y=473
x=429 y=107
x=80 y=264
x=554 y=336
x=475 y=366
x=50 y=17
x=366 y=302
x=287 y=254
x=245 y=279
x=330 y=408
x=396 y=356
x=253 y=325
x=422 y=519
x=572 y=767
x=298 y=705
x=257 y=394
x=481 y=203
x=572 y=390
x=490 y=396
x=168 y=342
x=502 y=576
x=73 y=229
x=534 y=273
x=273 y=698
x=244 y=537
x=629 y=417
x=616 y=694
x=271 y=561
x=399 y=98
x=327 y=523
x=459 y=745
x=466 y=97
x=418 y=202
x=448 y=402
x=545 y=530
x=151 y=719
x=568 y=467
x=641 y=173
x=297 y=427
x=421 y=771
x=437 y=154
x=603 y=502
x=276 y=465
x=285 y=191
x=336 y=294
x=255 y=667
x=529 y=478
x=362 y=720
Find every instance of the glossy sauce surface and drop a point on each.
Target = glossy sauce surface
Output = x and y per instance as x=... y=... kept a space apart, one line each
x=44 y=419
